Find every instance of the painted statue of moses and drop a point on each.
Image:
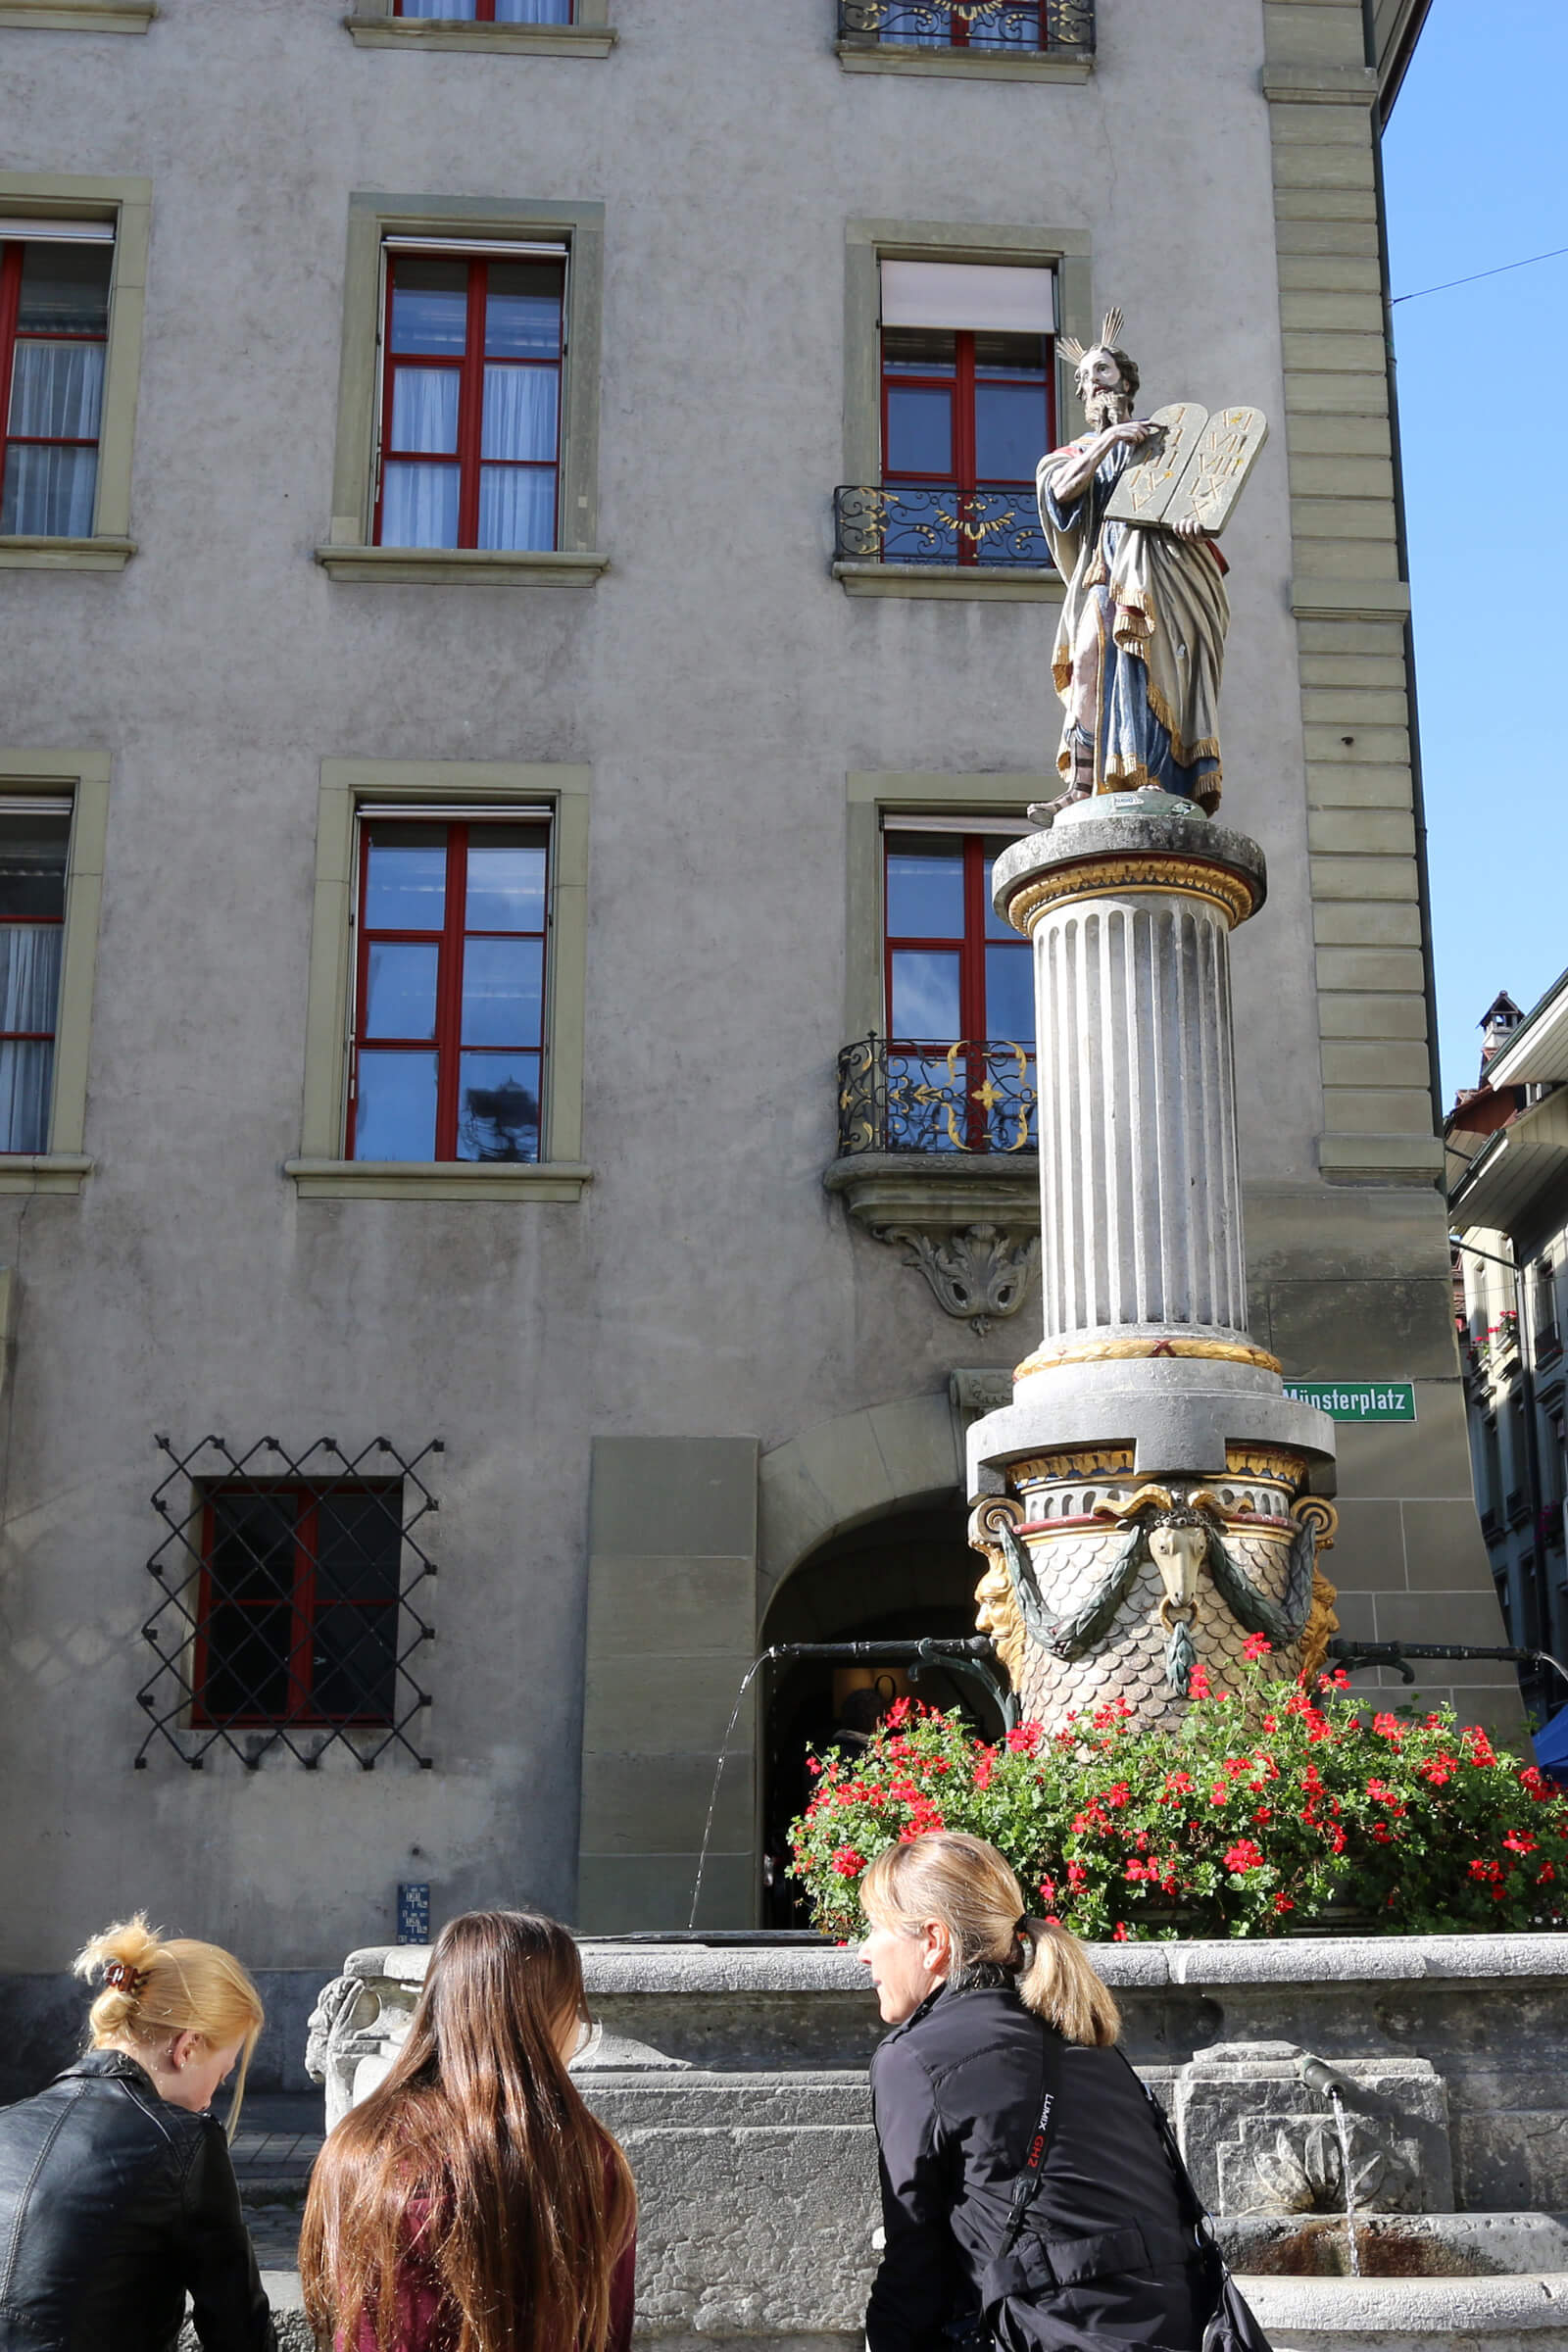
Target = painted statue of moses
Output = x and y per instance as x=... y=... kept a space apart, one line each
x=1142 y=638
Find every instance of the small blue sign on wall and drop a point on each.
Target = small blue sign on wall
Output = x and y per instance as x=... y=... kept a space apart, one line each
x=413 y=1912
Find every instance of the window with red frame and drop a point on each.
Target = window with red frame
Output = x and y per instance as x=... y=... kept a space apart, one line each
x=965 y=410
x=53 y=341
x=470 y=415
x=928 y=25
x=33 y=849
x=488 y=12
x=954 y=971
x=297 y=1611
x=450 y=990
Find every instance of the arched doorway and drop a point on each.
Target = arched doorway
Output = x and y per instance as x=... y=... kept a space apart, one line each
x=907 y=1575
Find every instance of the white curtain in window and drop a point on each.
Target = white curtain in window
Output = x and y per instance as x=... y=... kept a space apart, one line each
x=57 y=391
x=519 y=413
x=533 y=12
x=419 y=505
x=518 y=506
x=425 y=408
x=29 y=985
x=438 y=8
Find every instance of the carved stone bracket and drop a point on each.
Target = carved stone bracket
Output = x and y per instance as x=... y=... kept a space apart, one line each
x=977 y=1276
x=970 y=1225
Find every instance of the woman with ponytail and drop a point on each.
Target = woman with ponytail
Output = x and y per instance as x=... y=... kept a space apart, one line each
x=117 y=2194
x=471 y=2203
x=1002 y=2068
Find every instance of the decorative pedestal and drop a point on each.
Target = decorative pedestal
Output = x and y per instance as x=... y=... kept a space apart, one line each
x=1152 y=1498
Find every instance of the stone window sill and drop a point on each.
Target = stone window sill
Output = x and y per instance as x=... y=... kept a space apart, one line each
x=437 y=1180
x=963 y=581
x=79 y=16
x=43 y=1171
x=506 y=40
x=459 y=567
x=962 y=64
x=22 y=552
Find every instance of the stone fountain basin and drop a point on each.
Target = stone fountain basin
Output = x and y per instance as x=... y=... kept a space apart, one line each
x=1512 y=2314
x=1396 y=2245
x=734 y=2074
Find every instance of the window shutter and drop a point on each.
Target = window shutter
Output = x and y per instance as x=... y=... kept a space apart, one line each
x=984 y=297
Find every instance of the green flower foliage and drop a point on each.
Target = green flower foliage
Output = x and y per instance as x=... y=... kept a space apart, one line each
x=1267 y=1807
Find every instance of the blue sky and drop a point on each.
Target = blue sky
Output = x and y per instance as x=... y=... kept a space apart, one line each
x=1474 y=162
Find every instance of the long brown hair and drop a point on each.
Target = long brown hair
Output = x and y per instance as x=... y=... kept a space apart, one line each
x=948 y=1874
x=477 y=2154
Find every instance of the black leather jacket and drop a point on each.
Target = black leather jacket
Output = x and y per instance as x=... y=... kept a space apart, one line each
x=1103 y=2258
x=112 y=2206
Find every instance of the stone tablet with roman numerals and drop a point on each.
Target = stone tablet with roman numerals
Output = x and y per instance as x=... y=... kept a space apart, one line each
x=1150 y=476
x=1216 y=473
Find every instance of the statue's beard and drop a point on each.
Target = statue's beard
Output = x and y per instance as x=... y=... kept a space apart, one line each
x=1107 y=407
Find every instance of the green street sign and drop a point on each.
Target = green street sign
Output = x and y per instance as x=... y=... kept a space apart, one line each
x=1357 y=1399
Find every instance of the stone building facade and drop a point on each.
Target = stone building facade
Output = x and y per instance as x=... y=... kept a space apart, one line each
x=360 y=724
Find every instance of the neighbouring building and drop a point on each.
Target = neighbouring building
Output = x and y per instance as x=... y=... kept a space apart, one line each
x=1508 y=1141
x=524 y=636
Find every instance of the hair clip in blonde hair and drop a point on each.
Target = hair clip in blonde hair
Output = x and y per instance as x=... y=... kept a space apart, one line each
x=121 y=1977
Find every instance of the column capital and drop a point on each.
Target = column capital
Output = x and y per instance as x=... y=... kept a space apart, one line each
x=1099 y=850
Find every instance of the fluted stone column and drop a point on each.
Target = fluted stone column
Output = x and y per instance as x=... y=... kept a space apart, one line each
x=1147 y=1400
x=1140 y=1190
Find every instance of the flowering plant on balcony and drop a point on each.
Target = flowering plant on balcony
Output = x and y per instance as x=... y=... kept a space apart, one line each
x=1499 y=1341
x=1267 y=1810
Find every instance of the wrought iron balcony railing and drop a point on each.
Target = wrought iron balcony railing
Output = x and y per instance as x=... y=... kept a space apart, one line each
x=921 y=1094
x=894 y=523
x=1026 y=27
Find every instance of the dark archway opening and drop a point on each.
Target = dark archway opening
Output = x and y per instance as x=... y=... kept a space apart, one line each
x=908 y=1576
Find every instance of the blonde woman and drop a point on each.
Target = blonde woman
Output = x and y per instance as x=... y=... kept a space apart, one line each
x=994 y=2014
x=117 y=2194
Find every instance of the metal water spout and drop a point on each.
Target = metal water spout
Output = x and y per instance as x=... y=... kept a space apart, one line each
x=1319 y=2076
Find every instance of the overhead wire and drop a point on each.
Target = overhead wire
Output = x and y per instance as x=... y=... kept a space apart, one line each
x=1501 y=271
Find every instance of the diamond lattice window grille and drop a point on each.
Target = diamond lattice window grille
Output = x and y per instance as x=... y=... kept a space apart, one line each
x=291 y=1602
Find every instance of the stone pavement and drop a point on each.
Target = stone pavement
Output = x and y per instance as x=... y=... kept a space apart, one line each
x=279 y=2135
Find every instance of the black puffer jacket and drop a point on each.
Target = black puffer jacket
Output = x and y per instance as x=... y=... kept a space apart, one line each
x=112 y=2206
x=1102 y=2260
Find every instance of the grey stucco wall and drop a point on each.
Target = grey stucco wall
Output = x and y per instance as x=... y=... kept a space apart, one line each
x=43 y=2026
x=721 y=685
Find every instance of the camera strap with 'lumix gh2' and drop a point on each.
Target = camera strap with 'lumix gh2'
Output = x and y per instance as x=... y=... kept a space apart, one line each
x=972 y=2331
x=1026 y=2187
